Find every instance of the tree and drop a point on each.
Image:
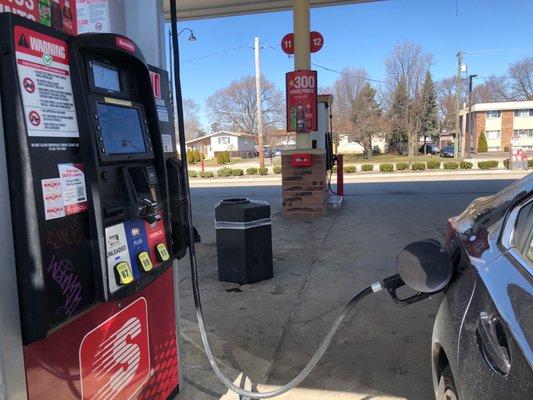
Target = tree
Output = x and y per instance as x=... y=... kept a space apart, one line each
x=521 y=79
x=482 y=145
x=365 y=117
x=234 y=107
x=445 y=89
x=190 y=118
x=493 y=89
x=429 y=123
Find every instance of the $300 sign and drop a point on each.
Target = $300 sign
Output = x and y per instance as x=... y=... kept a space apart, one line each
x=301 y=92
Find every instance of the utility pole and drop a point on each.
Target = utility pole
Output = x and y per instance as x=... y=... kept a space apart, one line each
x=469 y=121
x=258 y=105
x=457 y=104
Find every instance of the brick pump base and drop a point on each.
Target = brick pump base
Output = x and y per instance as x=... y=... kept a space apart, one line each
x=304 y=189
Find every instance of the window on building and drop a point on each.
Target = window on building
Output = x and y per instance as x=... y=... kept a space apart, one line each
x=223 y=140
x=523 y=113
x=494 y=114
x=526 y=132
x=493 y=135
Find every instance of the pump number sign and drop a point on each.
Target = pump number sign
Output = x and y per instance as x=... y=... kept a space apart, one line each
x=316 y=41
x=301 y=92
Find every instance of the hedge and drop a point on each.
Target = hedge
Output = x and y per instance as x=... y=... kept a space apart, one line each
x=450 y=165
x=530 y=163
x=223 y=157
x=418 y=166
x=334 y=169
x=386 y=167
x=206 y=174
x=432 y=164
x=263 y=171
x=465 y=165
x=349 y=169
x=367 y=167
x=401 y=166
x=251 y=171
x=277 y=169
x=226 y=171
x=489 y=164
x=193 y=174
x=506 y=163
x=237 y=172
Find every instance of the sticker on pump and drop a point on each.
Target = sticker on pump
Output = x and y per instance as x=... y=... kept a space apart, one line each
x=115 y=356
x=44 y=78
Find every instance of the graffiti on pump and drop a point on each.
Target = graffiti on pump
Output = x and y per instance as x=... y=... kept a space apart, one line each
x=62 y=272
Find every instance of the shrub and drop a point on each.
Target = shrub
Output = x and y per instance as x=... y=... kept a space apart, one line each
x=465 y=165
x=349 y=169
x=206 y=174
x=506 y=163
x=530 y=163
x=482 y=145
x=433 y=164
x=251 y=171
x=506 y=149
x=489 y=164
x=450 y=165
x=418 y=166
x=386 y=167
x=367 y=167
x=224 y=171
x=197 y=156
x=237 y=172
x=401 y=166
x=263 y=171
x=190 y=156
x=193 y=174
x=334 y=169
x=277 y=169
x=223 y=157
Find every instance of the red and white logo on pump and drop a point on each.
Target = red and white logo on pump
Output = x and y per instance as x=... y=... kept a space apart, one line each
x=115 y=356
x=125 y=44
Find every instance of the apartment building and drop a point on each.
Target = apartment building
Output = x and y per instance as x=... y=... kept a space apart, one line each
x=501 y=122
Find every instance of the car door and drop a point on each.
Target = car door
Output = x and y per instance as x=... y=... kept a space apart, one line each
x=495 y=356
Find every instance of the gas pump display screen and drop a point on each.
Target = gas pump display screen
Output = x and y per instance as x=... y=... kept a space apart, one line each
x=121 y=129
x=105 y=77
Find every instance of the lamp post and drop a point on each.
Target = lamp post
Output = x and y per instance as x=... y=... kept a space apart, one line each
x=191 y=37
x=469 y=136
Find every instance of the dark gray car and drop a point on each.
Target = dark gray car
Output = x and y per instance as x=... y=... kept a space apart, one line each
x=483 y=333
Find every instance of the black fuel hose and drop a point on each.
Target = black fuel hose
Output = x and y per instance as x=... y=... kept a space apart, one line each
x=194 y=268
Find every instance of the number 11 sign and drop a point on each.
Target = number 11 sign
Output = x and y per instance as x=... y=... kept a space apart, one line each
x=301 y=92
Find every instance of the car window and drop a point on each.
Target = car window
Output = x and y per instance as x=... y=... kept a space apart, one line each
x=523 y=234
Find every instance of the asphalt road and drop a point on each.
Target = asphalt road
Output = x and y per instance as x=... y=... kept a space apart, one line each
x=270 y=329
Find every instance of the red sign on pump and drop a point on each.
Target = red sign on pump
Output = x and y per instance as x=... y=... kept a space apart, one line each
x=316 y=41
x=301 y=96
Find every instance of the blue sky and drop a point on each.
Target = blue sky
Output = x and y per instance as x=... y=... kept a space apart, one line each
x=359 y=35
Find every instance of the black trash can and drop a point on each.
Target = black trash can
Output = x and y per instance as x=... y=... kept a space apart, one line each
x=244 y=241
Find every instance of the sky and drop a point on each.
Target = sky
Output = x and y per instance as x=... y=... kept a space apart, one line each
x=493 y=33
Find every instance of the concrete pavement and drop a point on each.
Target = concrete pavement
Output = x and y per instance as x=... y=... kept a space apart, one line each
x=269 y=330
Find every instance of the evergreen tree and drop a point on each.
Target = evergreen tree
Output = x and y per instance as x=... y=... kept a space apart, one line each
x=366 y=118
x=429 y=108
x=482 y=145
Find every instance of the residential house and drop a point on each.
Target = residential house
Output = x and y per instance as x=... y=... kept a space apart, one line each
x=349 y=146
x=501 y=122
x=238 y=144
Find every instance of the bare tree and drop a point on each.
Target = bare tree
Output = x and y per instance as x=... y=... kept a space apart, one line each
x=446 y=103
x=345 y=91
x=493 y=89
x=190 y=118
x=366 y=118
x=521 y=79
x=234 y=107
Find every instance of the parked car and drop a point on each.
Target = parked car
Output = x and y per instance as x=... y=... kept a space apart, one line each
x=447 y=151
x=483 y=333
x=277 y=152
x=430 y=148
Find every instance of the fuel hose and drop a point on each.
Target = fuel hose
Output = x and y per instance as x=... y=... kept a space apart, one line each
x=194 y=267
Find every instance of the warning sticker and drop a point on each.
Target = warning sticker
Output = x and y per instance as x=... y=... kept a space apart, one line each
x=53 y=198
x=44 y=75
x=167 y=143
x=73 y=188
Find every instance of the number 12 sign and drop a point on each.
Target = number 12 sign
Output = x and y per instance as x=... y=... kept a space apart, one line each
x=316 y=41
x=301 y=92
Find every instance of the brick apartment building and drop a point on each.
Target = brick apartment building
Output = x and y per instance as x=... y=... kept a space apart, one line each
x=500 y=122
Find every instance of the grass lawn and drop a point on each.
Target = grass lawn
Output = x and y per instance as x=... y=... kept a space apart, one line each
x=393 y=158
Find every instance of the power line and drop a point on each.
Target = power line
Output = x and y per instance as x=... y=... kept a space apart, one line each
x=217 y=53
x=495 y=51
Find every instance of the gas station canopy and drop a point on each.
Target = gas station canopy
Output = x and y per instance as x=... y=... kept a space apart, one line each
x=197 y=9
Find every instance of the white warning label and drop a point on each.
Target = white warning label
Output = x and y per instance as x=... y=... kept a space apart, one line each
x=44 y=75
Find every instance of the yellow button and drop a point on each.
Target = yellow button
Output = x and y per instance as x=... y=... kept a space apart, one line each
x=123 y=273
x=162 y=252
x=145 y=262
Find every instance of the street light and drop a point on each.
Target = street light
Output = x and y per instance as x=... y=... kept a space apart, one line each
x=468 y=136
x=191 y=37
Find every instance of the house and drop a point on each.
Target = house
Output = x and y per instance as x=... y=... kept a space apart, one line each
x=238 y=144
x=349 y=146
x=501 y=122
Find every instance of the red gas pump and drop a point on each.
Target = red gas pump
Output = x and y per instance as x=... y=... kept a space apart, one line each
x=97 y=214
